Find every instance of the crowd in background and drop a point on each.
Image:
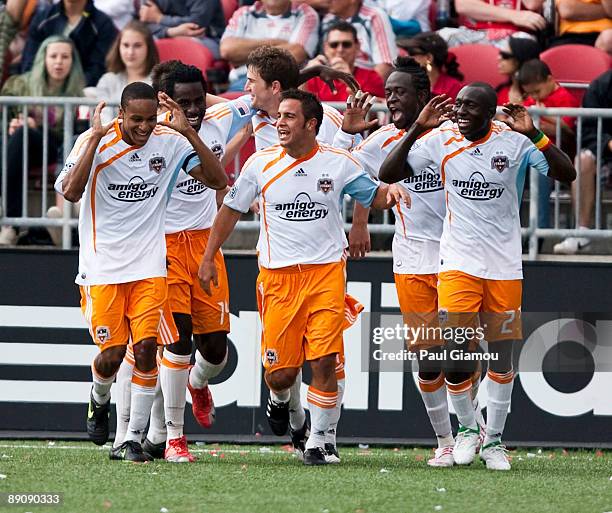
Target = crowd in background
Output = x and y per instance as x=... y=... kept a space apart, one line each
x=94 y=48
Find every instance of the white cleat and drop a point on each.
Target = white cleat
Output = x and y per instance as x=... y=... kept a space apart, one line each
x=443 y=457
x=495 y=456
x=466 y=444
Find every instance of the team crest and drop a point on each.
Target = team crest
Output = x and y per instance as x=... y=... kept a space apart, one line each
x=271 y=356
x=499 y=162
x=157 y=163
x=217 y=149
x=442 y=316
x=325 y=184
x=102 y=334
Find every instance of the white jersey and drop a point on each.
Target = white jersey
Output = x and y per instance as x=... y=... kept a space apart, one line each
x=300 y=203
x=484 y=183
x=416 y=243
x=264 y=128
x=121 y=225
x=193 y=206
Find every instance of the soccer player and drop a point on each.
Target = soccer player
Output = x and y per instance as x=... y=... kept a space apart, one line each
x=125 y=172
x=418 y=228
x=483 y=165
x=300 y=289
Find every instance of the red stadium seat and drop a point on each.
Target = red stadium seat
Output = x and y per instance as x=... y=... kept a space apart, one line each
x=185 y=49
x=229 y=6
x=478 y=63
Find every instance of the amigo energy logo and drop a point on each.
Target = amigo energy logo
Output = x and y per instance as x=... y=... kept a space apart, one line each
x=135 y=190
x=302 y=208
x=191 y=187
x=476 y=188
x=428 y=181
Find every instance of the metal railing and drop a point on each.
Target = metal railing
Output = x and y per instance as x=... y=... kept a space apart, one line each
x=384 y=224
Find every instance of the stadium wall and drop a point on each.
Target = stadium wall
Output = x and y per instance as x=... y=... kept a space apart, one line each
x=45 y=353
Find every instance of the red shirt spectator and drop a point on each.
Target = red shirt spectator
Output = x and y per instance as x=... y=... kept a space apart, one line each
x=368 y=79
x=560 y=97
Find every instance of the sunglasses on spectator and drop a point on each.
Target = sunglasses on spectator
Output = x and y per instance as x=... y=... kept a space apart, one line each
x=344 y=44
x=506 y=55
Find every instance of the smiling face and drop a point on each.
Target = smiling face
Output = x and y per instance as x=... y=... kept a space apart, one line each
x=293 y=129
x=192 y=101
x=402 y=99
x=474 y=112
x=263 y=95
x=139 y=119
x=58 y=61
x=133 y=50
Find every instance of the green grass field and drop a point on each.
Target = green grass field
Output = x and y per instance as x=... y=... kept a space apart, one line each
x=253 y=479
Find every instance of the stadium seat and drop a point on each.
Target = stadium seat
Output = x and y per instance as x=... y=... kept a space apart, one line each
x=478 y=63
x=229 y=6
x=185 y=49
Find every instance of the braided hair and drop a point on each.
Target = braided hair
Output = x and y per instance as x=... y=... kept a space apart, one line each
x=418 y=75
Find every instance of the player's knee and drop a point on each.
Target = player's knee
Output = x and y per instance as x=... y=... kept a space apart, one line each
x=181 y=347
x=145 y=354
x=456 y=377
x=501 y=356
x=588 y=164
x=324 y=366
x=429 y=375
x=281 y=379
x=212 y=346
x=109 y=360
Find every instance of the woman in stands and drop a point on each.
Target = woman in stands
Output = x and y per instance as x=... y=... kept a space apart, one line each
x=56 y=71
x=516 y=51
x=431 y=52
x=130 y=59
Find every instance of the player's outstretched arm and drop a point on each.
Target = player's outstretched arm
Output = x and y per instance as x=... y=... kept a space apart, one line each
x=328 y=75
x=222 y=228
x=560 y=166
x=74 y=183
x=210 y=171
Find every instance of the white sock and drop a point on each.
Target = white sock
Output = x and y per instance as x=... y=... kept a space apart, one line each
x=500 y=391
x=297 y=415
x=101 y=386
x=461 y=397
x=157 y=422
x=322 y=406
x=433 y=393
x=330 y=435
x=123 y=386
x=280 y=396
x=174 y=375
x=143 y=393
x=203 y=370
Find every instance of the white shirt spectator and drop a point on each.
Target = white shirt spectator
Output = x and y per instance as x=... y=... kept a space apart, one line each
x=120 y=11
x=417 y=10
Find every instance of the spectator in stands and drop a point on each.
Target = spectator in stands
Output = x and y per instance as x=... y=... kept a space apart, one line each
x=340 y=49
x=130 y=59
x=56 y=71
x=598 y=96
x=493 y=21
x=585 y=22
x=512 y=55
x=407 y=18
x=431 y=52
x=535 y=78
x=377 y=48
x=120 y=11
x=92 y=32
x=272 y=23
x=202 y=19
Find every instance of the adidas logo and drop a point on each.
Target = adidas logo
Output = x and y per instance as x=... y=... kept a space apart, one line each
x=135 y=158
x=477 y=153
x=300 y=172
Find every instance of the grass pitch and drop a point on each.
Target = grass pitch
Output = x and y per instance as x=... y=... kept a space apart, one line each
x=254 y=479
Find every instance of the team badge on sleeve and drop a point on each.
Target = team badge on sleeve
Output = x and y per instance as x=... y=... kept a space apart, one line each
x=499 y=162
x=325 y=184
x=157 y=163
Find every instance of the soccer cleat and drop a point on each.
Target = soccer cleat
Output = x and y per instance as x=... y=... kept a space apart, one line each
x=466 y=443
x=132 y=451
x=202 y=405
x=495 y=456
x=178 y=452
x=115 y=453
x=278 y=417
x=298 y=440
x=97 y=421
x=315 y=456
x=331 y=454
x=156 y=451
x=443 y=457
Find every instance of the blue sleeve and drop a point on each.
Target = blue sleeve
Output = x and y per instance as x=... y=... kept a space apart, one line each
x=242 y=113
x=187 y=163
x=363 y=189
x=537 y=160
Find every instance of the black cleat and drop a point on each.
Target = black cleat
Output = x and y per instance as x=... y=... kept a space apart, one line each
x=156 y=451
x=115 y=453
x=278 y=417
x=97 y=421
x=298 y=440
x=331 y=454
x=132 y=451
x=315 y=456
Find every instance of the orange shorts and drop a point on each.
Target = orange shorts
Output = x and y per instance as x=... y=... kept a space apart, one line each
x=302 y=313
x=468 y=301
x=185 y=295
x=418 y=299
x=117 y=312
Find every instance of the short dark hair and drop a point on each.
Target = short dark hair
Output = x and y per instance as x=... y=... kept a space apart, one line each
x=137 y=91
x=341 y=26
x=533 y=72
x=167 y=74
x=489 y=92
x=311 y=106
x=418 y=75
x=272 y=64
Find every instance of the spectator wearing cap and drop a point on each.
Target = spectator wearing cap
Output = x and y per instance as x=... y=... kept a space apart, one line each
x=377 y=48
x=585 y=22
x=431 y=52
x=340 y=49
x=512 y=55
